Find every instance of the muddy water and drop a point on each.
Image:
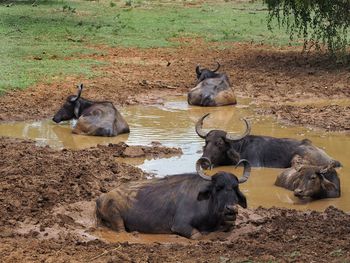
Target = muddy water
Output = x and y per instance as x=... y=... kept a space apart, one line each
x=172 y=124
x=112 y=236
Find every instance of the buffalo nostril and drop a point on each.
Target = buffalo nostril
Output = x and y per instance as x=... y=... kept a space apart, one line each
x=205 y=165
x=232 y=208
x=298 y=192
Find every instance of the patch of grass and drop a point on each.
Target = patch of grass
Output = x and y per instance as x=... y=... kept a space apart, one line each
x=47 y=39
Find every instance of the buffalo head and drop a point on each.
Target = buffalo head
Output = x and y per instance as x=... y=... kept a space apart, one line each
x=316 y=182
x=205 y=73
x=212 y=89
x=70 y=108
x=218 y=144
x=224 y=189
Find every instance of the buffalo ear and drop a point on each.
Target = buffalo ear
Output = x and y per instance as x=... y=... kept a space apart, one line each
x=205 y=193
x=76 y=109
x=328 y=185
x=242 y=200
x=233 y=156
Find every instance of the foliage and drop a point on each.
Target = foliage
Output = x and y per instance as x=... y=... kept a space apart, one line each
x=319 y=22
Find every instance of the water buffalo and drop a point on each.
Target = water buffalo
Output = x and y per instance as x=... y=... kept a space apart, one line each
x=94 y=118
x=223 y=148
x=213 y=89
x=185 y=204
x=309 y=181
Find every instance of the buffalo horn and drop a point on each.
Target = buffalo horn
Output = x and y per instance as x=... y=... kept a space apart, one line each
x=200 y=170
x=246 y=171
x=331 y=165
x=80 y=89
x=198 y=70
x=217 y=67
x=239 y=137
x=199 y=124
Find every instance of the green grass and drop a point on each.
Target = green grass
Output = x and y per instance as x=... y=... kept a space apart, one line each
x=46 y=41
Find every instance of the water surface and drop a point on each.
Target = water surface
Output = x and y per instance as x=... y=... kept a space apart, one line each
x=172 y=124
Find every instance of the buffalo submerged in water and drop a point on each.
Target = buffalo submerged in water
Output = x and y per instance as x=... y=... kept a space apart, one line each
x=310 y=181
x=222 y=148
x=186 y=204
x=98 y=118
x=212 y=89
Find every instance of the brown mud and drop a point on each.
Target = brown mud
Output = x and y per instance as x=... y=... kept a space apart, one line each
x=47 y=196
x=272 y=76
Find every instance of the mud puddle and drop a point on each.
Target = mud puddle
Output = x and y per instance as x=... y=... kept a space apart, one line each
x=111 y=236
x=172 y=124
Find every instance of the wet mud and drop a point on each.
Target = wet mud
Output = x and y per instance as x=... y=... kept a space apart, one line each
x=47 y=195
x=271 y=76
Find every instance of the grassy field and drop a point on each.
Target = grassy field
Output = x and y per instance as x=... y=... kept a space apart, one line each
x=42 y=41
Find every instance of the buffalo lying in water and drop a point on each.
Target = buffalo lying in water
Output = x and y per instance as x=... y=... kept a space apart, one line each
x=94 y=118
x=222 y=148
x=213 y=89
x=185 y=204
x=309 y=181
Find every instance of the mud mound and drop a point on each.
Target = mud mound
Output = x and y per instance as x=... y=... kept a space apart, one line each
x=35 y=179
x=275 y=235
x=331 y=117
x=157 y=151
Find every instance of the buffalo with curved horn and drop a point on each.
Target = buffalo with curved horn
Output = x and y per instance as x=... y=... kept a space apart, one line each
x=222 y=148
x=186 y=204
x=205 y=73
x=99 y=118
x=212 y=89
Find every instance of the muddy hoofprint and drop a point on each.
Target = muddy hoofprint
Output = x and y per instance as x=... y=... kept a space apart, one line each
x=94 y=118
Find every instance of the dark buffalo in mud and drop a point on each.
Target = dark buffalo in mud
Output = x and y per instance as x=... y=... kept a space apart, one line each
x=185 y=204
x=222 y=148
x=213 y=89
x=94 y=118
x=309 y=181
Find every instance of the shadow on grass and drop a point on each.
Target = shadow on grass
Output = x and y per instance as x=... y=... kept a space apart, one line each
x=288 y=61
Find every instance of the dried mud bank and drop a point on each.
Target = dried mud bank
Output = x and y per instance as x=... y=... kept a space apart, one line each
x=273 y=77
x=330 y=118
x=35 y=179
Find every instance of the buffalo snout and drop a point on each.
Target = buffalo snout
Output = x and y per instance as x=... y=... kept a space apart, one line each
x=230 y=212
x=56 y=119
x=298 y=192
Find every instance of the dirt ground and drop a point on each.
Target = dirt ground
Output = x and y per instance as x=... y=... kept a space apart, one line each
x=47 y=206
x=47 y=196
